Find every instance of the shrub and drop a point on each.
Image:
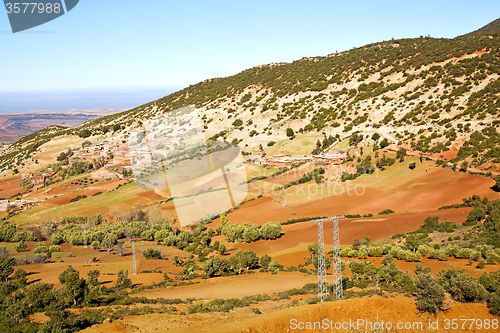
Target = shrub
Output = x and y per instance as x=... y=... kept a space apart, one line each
x=274 y=266
x=386 y=212
x=55 y=248
x=84 y=133
x=270 y=230
x=151 y=253
x=265 y=260
x=40 y=248
x=290 y=132
x=57 y=238
x=462 y=287
x=430 y=295
x=21 y=246
x=476 y=214
x=494 y=303
x=95 y=245
x=123 y=280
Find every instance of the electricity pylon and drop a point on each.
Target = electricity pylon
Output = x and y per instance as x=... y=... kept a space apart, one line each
x=336 y=264
x=134 y=262
x=322 y=285
x=132 y=239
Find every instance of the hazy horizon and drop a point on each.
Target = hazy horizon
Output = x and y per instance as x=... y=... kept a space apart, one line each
x=120 y=98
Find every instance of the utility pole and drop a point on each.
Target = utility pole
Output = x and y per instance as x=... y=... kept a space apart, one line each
x=84 y=238
x=134 y=262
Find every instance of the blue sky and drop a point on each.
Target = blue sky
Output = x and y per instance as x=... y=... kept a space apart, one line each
x=121 y=45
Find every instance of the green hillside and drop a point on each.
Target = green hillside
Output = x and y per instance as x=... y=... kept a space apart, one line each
x=426 y=93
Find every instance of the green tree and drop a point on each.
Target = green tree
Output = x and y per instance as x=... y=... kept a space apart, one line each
x=95 y=245
x=21 y=246
x=430 y=294
x=462 y=287
x=270 y=230
x=412 y=242
x=431 y=221
x=73 y=286
x=496 y=187
x=151 y=253
x=251 y=260
x=123 y=280
x=39 y=295
x=464 y=166
x=313 y=248
x=40 y=248
x=491 y=281
x=476 y=214
x=384 y=143
x=494 y=302
x=6 y=267
x=20 y=278
x=274 y=267
x=401 y=153
x=92 y=286
x=62 y=156
x=84 y=133
x=222 y=249
x=265 y=260
x=387 y=260
x=290 y=132
x=109 y=241
x=212 y=267
x=57 y=238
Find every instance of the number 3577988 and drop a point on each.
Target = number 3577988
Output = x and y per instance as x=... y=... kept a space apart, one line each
x=32 y=7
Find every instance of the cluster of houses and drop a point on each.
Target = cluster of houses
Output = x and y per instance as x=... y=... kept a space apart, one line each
x=286 y=161
x=111 y=152
x=17 y=204
x=36 y=180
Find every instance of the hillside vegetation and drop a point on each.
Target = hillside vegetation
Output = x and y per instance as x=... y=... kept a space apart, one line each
x=429 y=94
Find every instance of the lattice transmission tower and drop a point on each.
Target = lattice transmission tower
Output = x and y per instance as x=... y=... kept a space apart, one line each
x=134 y=262
x=132 y=240
x=84 y=237
x=322 y=285
x=336 y=264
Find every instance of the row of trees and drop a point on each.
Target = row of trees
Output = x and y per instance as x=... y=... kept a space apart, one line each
x=236 y=263
x=248 y=232
x=413 y=250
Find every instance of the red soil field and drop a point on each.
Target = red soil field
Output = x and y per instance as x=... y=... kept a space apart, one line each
x=9 y=187
x=234 y=286
x=150 y=195
x=50 y=272
x=435 y=188
x=64 y=199
x=277 y=316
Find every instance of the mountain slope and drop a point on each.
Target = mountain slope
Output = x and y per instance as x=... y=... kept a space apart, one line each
x=428 y=94
x=490 y=27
